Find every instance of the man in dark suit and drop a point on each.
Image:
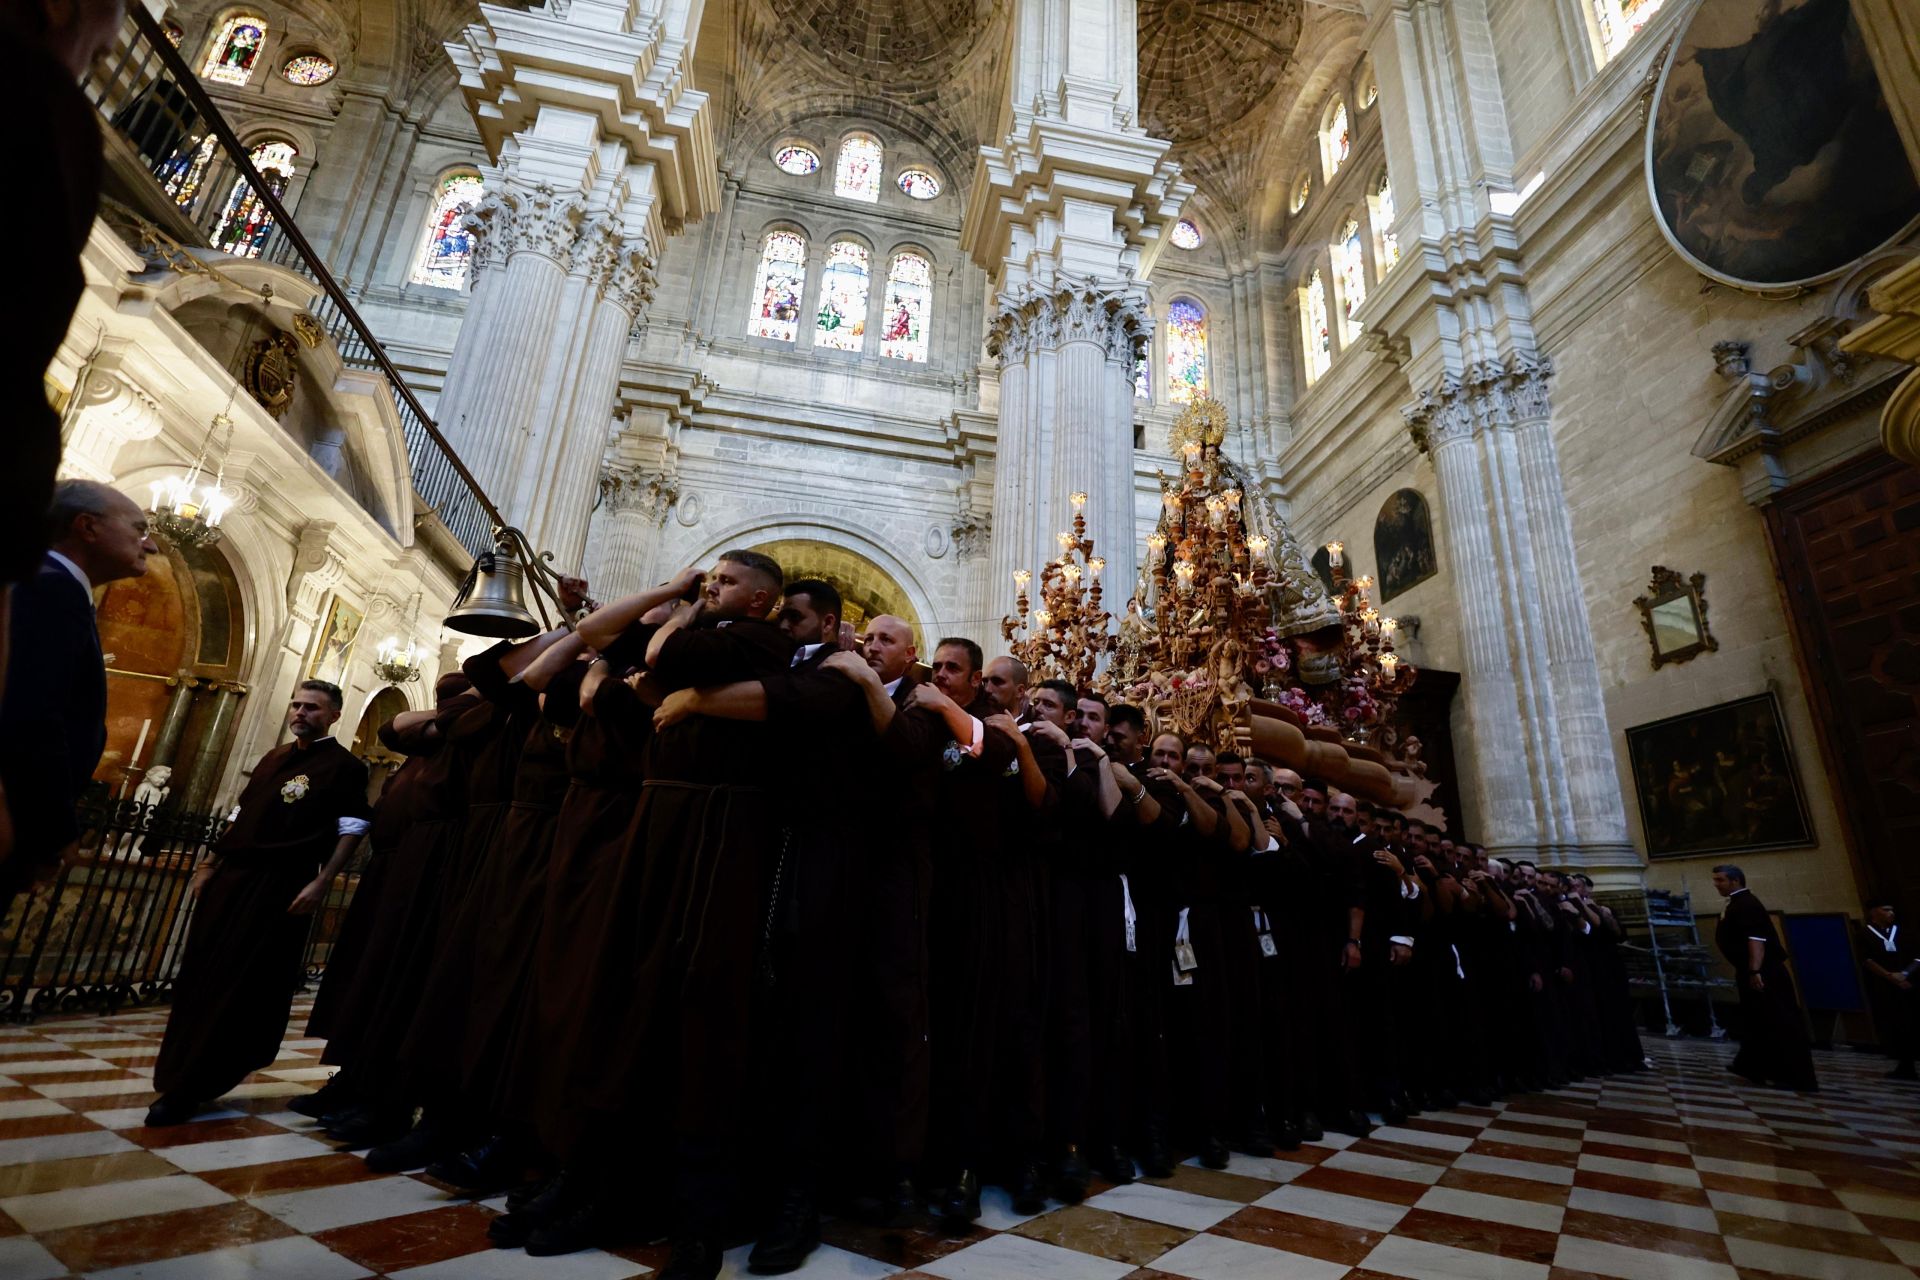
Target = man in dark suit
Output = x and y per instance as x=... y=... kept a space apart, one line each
x=53 y=721
x=1773 y=1042
x=1891 y=963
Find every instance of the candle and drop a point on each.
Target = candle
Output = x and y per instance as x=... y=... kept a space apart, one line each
x=1021 y=577
x=1389 y=664
x=1096 y=564
x=1388 y=626
x=1078 y=498
x=133 y=761
x=1335 y=550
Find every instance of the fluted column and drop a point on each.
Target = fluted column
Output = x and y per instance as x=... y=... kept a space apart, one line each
x=634 y=508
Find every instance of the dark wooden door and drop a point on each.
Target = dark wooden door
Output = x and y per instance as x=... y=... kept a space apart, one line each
x=1847 y=544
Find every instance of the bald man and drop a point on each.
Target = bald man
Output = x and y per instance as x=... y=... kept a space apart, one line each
x=1005 y=681
x=53 y=722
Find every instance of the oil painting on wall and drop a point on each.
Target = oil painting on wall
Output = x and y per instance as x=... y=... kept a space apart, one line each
x=1718 y=780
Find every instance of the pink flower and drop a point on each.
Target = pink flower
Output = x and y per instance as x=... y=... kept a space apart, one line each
x=1262 y=667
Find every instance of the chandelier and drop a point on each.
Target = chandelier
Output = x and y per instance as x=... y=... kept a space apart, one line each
x=183 y=510
x=1068 y=634
x=398 y=662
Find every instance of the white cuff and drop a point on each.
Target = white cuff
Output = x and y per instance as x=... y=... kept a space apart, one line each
x=1271 y=844
x=979 y=736
x=1402 y=940
x=1410 y=891
x=354 y=826
x=1751 y=938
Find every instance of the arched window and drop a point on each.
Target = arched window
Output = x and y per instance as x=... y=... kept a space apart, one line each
x=796 y=160
x=447 y=252
x=1620 y=20
x=1185 y=235
x=245 y=221
x=842 y=322
x=1386 y=244
x=1186 y=350
x=777 y=286
x=1336 y=139
x=1350 y=274
x=1369 y=92
x=182 y=172
x=1314 y=331
x=236 y=50
x=909 y=301
x=856 y=174
x=1302 y=189
x=919 y=183
x=1143 y=372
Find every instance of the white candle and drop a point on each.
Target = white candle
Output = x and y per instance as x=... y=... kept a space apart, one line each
x=133 y=761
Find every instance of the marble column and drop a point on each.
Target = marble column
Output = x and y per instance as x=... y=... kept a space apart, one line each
x=204 y=772
x=634 y=508
x=596 y=155
x=173 y=721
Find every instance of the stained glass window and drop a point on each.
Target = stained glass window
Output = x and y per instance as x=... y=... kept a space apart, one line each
x=1317 y=335
x=234 y=53
x=1389 y=249
x=842 y=322
x=909 y=301
x=797 y=160
x=919 y=184
x=1186 y=350
x=1143 y=373
x=245 y=222
x=309 y=69
x=1350 y=271
x=856 y=175
x=447 y=254
x=182 y=172
x=1336 y=139
x=1185 y=235
x=777 y=286
x=1621 y=20
x=1302 y=188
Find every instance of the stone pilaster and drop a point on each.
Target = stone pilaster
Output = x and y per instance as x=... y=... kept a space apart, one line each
x=634 y=507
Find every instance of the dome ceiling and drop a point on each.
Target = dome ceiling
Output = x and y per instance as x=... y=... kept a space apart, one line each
x=908 y=42
x=1206 y=64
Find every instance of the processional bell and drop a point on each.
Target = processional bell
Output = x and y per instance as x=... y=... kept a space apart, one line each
x=491 y=602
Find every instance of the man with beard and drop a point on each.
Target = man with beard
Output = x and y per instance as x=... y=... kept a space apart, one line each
x=304 y=804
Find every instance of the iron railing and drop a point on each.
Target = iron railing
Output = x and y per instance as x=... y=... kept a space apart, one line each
x=109 y=930
x=213 y=191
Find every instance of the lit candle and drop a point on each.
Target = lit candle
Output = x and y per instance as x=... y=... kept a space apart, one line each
x=1071 y=572
x=1258 y=544
x=1364 y=582
x=1170 y=499
x=1389 y=625
x=1042 y=617
x=1066 y=539
x=1078 y=498
x=1096 y=564
x=1021 y=577
x=1192 y=449
x=1389 y=664
x=1335 y=553
x=134 y=760
x=1157 y=540
x=1232 y=496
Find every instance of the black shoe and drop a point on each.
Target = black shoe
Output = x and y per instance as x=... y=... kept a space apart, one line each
x=795 y=1234
x=959 y=1205
x=371 y=1126
x=691 y=1260
x=1256 y=1141
x=1214 y=1154
x=1026 y=1189
x=529 y=1208
x=1155 y=1160
x=582 y=1226
x=1116 y=1166
x=489 y=1165
x=1395 y=1112
x=1351 y=1123
x=416 y=1150
x=1287 y=1136
x=900 y=1200
x=171 y=1109
x=1310 y=1130
x=333 y=1096
x=1071 y=1176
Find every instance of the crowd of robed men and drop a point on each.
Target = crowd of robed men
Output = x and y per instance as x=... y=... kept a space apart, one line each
x=707 y=915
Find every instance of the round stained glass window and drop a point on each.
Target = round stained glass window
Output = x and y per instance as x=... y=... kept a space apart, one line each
x=309 y=69
x=798 y=161
x=1185 y=235
x=919 y=184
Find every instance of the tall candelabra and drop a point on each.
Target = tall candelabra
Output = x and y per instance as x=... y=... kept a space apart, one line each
x=1373 y=675
x=1066 y=634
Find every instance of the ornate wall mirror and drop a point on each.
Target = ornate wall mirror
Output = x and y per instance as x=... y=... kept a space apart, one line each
x=1674 y=612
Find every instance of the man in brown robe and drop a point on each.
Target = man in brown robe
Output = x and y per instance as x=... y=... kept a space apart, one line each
x=304 y=806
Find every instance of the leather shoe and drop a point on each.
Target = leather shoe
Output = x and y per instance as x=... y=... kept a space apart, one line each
x=795 y=1234
x=1310 y=1130
x=537 y=1204
x=1116 y=1166
x=1214 y=1154
x=329 y=1098
x=581 y=1226
x=1351 y=1123
x=1155 y=1160
x=416 y=1150
x=1286 y=1137
x=959 y=1204
x=691 y=1260
x=1026 y=1189
x=1395 y=1112
x=489 y=1165
x=171 y=1109
x=1070 y=1177
x=371 y=1126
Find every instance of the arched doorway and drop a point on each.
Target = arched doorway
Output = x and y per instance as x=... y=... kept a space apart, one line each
x=381 y=763
x=866 y=590
x=174 y=641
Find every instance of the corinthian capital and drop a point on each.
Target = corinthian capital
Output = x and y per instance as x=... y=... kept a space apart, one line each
x=545 y=222
x=628 y=489
x=1440 y=416
x=1035 y=317
x=630 y=276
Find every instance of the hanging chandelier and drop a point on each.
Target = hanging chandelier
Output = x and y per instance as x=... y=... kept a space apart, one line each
x=186 y=512
x=399 y=662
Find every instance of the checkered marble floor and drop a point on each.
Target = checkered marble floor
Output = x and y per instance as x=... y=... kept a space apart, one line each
x=1680 y=1174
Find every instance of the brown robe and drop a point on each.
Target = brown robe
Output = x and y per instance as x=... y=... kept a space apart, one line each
x=242 y=960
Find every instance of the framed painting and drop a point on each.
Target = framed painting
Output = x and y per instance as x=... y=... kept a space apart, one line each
x=333 y=651
x=1403 y=543
x=1771 y=157
x=1720 y=780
